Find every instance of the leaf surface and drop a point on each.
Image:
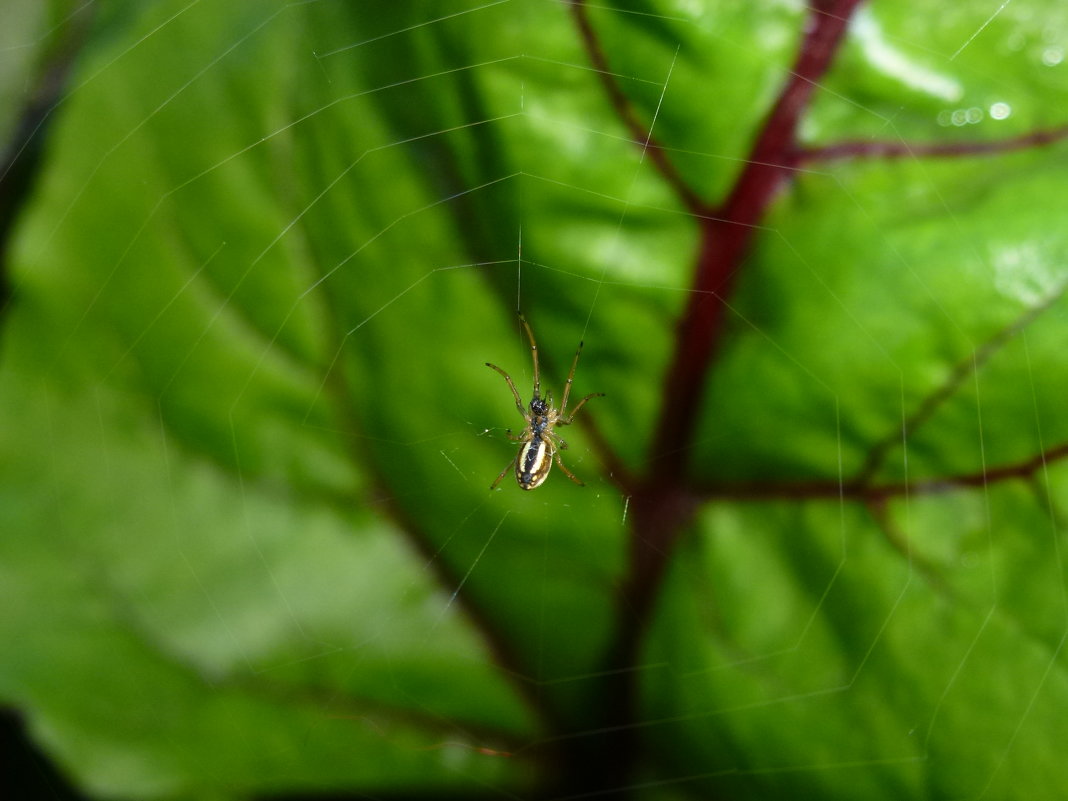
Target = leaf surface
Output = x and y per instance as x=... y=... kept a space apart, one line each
x=248 y=432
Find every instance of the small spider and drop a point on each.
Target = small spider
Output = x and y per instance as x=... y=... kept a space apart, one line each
x=541 y=444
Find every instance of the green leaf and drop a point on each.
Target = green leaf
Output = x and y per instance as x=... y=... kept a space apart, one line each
x=247 y=434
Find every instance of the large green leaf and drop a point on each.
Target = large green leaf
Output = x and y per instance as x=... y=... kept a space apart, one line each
x=247 y=435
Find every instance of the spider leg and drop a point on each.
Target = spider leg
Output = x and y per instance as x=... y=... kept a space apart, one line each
x=568 y=473
x=533 y=354
x=511 y=386
x=504 y=472
x=557 y=440
x=570 y=378
x=566 y=421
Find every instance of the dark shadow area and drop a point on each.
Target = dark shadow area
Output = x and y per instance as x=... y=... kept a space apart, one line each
x=29 y=774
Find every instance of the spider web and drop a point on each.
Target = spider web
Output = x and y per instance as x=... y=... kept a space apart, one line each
x=251 y=302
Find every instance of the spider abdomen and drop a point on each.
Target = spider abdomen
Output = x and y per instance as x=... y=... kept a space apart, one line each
x=532 y=466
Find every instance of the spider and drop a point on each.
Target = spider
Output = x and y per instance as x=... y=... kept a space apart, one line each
x=541 y=444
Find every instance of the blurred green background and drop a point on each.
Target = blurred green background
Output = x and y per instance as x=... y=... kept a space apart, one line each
x=247 y=546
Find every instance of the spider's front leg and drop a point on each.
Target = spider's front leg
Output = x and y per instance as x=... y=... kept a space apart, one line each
x=511 y=386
